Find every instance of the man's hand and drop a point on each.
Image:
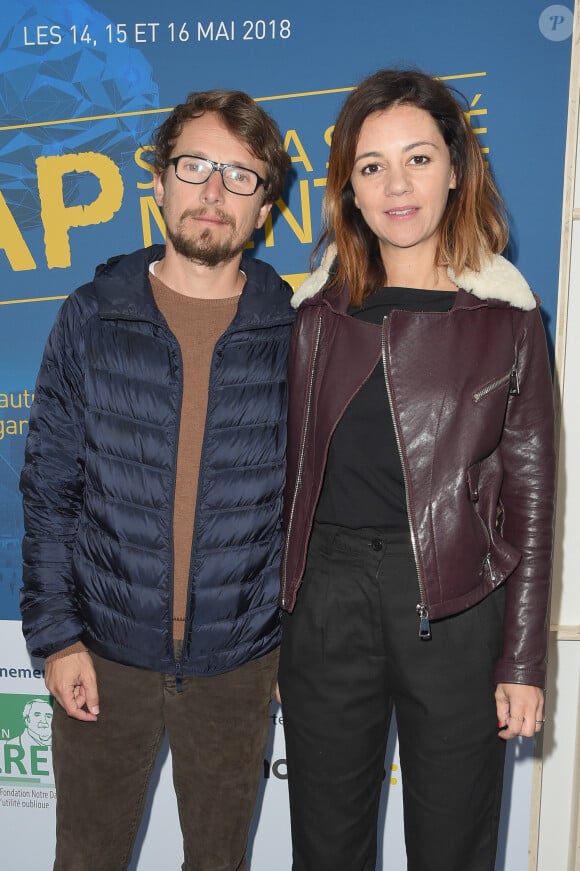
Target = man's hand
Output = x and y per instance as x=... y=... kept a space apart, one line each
x=520 y=709
x=73 y=683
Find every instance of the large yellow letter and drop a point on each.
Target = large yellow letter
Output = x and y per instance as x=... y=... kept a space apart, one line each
x=11 y=241
x=293 y=138
x=304 y=232
x=57 y=218
x=150 y=208
x=144 y=164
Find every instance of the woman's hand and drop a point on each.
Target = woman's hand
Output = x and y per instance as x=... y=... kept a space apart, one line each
x=520 y=710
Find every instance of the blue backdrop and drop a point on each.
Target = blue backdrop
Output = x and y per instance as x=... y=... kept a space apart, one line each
x=82 y=87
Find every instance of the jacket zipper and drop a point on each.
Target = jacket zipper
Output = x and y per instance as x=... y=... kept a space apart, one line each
x=301 y=457
x=511 y=377
x=487 y=566
x=175 y=370
x=422 y=607
x=514 y=389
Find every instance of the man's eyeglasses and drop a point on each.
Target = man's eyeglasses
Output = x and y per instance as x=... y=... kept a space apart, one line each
x=197 y=170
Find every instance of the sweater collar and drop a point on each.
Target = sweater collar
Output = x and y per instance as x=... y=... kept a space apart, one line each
x=498 y=280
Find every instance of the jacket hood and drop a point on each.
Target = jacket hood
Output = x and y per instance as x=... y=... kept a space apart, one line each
x=497 y=280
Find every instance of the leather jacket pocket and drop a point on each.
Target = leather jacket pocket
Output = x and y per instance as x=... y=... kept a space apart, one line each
x=508 y=382
x=472 y=476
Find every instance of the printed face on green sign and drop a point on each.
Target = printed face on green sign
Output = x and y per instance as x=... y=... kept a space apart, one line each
x=25 y=738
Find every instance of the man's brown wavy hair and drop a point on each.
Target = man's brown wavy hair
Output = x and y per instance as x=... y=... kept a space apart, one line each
x=474 y=223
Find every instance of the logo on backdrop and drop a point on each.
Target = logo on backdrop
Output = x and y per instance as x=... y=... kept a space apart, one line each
x=26 y=749
x=556 y=22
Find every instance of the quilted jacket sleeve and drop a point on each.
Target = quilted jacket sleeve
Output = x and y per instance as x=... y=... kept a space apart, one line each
x=52 y=485
x=527 y=449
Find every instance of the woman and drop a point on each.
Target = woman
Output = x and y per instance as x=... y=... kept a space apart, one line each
x=420 y=493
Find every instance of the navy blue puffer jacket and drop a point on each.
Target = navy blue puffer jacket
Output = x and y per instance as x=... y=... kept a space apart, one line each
x=99 y=476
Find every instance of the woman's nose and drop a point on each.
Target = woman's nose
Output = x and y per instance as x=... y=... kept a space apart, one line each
x=398 y=181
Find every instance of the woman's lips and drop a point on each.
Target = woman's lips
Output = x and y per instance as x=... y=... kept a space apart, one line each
x=403 y=212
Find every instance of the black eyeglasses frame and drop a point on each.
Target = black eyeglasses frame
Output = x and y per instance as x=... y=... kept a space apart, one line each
x=217 y=167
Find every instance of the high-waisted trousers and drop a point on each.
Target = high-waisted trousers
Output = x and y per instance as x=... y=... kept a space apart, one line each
x=351 y=653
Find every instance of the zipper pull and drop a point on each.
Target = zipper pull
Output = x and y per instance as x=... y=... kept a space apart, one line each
x=487 y=565
x=514 y=383
x=424 y=624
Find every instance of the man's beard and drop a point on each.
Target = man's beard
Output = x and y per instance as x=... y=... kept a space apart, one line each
x=203 y=249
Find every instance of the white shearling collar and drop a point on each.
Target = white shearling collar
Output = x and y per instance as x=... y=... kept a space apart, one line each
x=498 y=279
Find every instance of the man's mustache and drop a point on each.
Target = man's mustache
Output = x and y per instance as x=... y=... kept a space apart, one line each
x=214 y=213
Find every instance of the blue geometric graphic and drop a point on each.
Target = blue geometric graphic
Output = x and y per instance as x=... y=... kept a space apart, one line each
x=50 y=71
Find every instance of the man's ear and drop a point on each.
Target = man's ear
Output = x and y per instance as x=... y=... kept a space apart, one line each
x=158 y=188
x=265 y=209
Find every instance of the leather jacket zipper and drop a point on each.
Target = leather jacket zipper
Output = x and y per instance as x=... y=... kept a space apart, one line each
x=422 y=607
x=488 y=567
x=511 y=377
x=301 y=456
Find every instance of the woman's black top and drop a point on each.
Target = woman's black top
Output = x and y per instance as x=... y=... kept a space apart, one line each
x=363 y=483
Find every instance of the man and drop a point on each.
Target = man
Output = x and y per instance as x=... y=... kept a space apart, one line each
x=152 y=495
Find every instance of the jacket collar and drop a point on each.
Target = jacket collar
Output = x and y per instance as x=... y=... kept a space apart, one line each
x=124 y=291
x=123 y=288
x=498 y=281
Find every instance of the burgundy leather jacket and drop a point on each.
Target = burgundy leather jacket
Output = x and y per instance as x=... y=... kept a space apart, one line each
x=472 y=402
